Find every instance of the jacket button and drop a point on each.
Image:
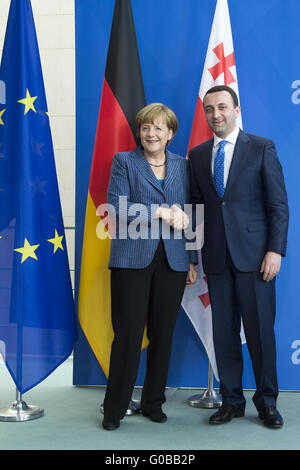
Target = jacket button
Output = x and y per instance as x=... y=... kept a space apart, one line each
x=223 y=203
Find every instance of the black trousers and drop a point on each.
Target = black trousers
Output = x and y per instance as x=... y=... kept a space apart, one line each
x=235 y=295
x=151 y=295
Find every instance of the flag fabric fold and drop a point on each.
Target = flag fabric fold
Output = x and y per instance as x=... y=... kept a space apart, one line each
x=37 y=313
x=219 y=69
x=122 y=97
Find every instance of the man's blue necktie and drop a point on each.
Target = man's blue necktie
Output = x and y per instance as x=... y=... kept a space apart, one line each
x=219 y=168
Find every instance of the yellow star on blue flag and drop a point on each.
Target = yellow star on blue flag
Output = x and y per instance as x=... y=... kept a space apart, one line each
x=28 y=251
x=1 y=114
x=28 y=102
x=56 y=241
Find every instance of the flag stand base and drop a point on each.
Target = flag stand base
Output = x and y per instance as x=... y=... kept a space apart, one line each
x=133 y=409
x=209 y=398
x=20 y=411
x=135 y=405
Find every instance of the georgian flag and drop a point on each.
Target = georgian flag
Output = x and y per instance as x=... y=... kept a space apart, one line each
x=219 y=69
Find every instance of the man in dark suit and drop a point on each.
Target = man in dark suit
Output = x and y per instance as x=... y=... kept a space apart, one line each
x=238 y=178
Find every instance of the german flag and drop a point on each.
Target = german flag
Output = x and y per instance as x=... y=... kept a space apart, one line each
x=122 y=97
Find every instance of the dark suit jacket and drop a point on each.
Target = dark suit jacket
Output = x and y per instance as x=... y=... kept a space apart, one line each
x=132 y=177
x=252 y=218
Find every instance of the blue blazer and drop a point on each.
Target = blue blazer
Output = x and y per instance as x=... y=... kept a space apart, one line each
x=137 y=233
x=252 y=218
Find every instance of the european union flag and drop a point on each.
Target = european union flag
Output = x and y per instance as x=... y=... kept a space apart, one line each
x=37 y=317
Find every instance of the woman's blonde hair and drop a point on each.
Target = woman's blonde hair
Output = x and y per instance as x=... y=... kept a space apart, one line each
x=151 y=112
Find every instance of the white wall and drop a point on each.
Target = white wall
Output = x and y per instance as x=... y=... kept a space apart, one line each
x=54 y=22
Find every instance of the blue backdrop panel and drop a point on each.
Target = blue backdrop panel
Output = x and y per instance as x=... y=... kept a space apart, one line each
x=172 y=39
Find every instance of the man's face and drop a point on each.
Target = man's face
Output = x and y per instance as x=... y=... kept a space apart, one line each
x=221 y=113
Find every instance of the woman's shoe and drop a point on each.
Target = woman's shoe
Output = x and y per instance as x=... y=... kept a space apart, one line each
x=156 y=416
x=110 y=425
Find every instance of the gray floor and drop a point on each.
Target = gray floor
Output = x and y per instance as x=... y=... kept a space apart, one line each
x=72 y=420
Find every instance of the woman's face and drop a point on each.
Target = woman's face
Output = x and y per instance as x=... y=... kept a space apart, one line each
x=154 y=136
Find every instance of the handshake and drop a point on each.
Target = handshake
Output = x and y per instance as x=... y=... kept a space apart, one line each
x=173 y=216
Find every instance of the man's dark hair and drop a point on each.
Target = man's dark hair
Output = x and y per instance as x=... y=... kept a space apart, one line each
x=214 y=89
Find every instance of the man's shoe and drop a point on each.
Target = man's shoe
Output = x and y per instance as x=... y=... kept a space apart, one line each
x=110 y=425
x=156 y=416
x=225 y=414
x=271 y=417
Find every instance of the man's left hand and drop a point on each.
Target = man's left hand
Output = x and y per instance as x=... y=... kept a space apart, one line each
x=270 y=266
x=192 y=276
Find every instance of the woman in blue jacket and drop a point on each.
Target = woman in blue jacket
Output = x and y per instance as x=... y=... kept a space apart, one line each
x=149 y=266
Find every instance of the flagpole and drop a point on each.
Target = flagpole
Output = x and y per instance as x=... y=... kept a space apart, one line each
x=209 y=398
x=20 y=411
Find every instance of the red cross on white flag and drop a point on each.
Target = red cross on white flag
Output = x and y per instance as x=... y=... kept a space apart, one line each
x=219 y=69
